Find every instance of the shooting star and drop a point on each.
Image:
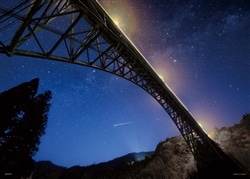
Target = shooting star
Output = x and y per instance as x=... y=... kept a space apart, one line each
x=122 y=124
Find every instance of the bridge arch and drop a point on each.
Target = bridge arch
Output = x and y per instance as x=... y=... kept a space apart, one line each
x=90 y=38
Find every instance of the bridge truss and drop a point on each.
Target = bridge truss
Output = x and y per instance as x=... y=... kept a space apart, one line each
x=81 y=32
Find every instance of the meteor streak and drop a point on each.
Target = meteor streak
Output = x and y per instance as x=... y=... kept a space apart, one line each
x=121 y=124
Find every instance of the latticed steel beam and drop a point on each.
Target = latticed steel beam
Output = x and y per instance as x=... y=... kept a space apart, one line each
x=81 y=32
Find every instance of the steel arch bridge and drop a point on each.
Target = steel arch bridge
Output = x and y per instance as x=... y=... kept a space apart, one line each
x=81 y=32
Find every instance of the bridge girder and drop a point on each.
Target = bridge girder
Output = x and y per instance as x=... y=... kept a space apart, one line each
x=81 y=32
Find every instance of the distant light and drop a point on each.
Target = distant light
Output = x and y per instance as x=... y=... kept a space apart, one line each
x=211 y=134
x=202 y=127
x=161 y=77
x=123 y=15
x=116 y=22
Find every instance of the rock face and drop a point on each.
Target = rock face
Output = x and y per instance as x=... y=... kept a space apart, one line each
x=171 y=159
x=235 y=141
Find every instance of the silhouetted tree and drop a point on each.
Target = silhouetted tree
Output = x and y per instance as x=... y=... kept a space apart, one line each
x=23 y=119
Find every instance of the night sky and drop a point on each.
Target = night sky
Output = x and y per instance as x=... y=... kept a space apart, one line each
x=200 y=48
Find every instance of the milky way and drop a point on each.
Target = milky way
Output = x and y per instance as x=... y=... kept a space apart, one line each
x=201 y=50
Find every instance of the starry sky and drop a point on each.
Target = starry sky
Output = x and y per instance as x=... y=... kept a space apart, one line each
x=200 y=48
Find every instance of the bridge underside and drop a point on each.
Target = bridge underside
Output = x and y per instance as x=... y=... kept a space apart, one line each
x=81 y=32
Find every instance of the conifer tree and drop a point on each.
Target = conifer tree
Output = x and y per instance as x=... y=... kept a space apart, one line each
x=23 y=119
